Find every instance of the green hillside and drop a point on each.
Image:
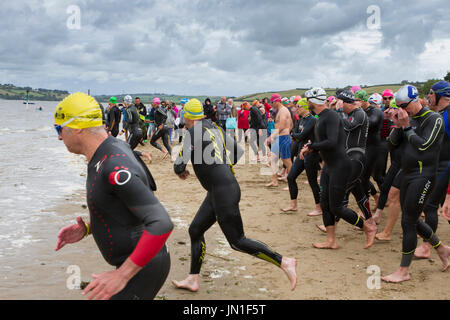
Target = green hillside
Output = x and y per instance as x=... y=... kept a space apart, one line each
x=12 y=92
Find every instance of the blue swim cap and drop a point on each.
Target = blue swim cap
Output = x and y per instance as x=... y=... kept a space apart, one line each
x=407 y=93
x=441 y=88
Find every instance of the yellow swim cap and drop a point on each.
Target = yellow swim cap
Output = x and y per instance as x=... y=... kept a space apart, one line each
x=193 y=110
x=303 y=103
x=79 y=111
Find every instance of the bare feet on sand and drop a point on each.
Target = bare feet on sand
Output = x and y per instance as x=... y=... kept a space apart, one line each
x=402 y=274
x=377 y=217
x=326 y=245
x=190 y=283
x=321 y=227
x=290 y=209
x=315 y=213
x=423 y=251
x=444 y=252
x=272 y=185
x=370 y=228
x=382 y=236
x=288 y=265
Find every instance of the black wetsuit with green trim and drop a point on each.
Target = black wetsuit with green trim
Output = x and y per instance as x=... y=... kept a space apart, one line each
x=162 y=131
x=422 y=144
x=203 y=145
x=126 y=219
x=443 y=175
x=330 y=143
x=133 y=127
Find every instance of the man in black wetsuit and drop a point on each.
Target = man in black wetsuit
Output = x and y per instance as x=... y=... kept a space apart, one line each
x=162 y=131
x=142 y=111
x=205 y=145
x=330 y=143
x=135 y=132
x=129 y=224
x=439 y=98
x=422 y=138
x=114 y=116
x=375 y=118
x=303 y=134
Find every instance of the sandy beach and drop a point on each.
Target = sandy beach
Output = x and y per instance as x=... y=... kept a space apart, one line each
x=228 y=274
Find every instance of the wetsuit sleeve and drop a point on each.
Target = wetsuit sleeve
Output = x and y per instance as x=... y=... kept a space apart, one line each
x=127 y=185
x=431 y=133
x=301 y=136
x=185 y=154
x=395 y=137
x=332 y=133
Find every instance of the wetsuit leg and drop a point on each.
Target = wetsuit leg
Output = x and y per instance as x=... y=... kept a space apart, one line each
x=327 y=216
x=296 y=170
x=147 y=282
x=312 y=166
x=356 y=185
x=165 y=139
x=134 y=138
x=436 y=197
x=155 y=137
x=387 y=183
x=381 y=162
x=203 y=220
x=294 y=150
x=414 y=192
x=225 y=200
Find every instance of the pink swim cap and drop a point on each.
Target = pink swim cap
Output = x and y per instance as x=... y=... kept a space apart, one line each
x=275 y=98
x=355 y=88
x=331 y=98
x=388 y=93
x=156 y=100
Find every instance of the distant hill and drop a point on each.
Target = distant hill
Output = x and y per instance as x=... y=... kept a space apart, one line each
x=147 y=98
x=330 y=91
x=12 y=92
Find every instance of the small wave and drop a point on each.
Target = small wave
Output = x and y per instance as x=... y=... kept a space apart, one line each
x=40 y=129
x=5 y=129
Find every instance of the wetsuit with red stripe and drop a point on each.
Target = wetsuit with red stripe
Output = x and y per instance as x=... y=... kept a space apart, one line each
x=126 y=219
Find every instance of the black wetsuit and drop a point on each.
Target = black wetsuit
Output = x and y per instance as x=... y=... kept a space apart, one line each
x=356 y=126
x=203 y=145
x=443 y=175
x=422 y=144
x=257 y=122
x=375 y=117
x=142 y=109
x=133 y=127
x=123 y=212
x=303 y=133
x=329 y=140
x=114 y=116
x=380 y=166
x=160 y=120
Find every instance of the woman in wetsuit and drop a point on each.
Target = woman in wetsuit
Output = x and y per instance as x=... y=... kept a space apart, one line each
x=205 y=145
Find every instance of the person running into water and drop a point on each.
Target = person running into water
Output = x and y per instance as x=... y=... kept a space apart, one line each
x=129 y=224
x=330 y=143
x=161 y=129
x=311 y=162
x=205 y=145
x=280 y=139
x=422 y=137
x=114 y=116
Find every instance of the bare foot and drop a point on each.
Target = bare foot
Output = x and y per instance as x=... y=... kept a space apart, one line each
x=190 y=283
x=272 y=185
x=382 y=236
x=443 y=255
x=288 y=265
x=326 y=245
x=423 y=251
x=314 y=213
x=402 y=274
x=286 y=189
x=377 y=217
x=148 y=156
x=284 y=178
x=290 y=209
x=370 y=228
x=321 y=227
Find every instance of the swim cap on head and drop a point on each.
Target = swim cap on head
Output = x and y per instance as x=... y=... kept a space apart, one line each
x=441 y=88
x=156 y=100
x=316 y=95
x=303 y=103
x=297 y=98
x=346 y=96
x=193 y=110
x=128 y=99
x=331 y=98
x=291 y=99
x=407 y=93
x=113 y=100
x=184 y=101
x=285 y=100
x=361 y=95
x=255 y=102
x=275 y=98
x=393 y=105
x=376 y=98
x=355 y=88
x=388 y=93
x=82 y=109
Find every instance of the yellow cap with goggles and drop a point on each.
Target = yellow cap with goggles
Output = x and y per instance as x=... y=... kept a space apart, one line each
x=79 y=111
x=193 y=110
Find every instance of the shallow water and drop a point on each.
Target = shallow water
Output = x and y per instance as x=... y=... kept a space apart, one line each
x=36 y=172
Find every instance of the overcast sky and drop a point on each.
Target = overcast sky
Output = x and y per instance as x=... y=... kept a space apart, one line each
x=212 y=47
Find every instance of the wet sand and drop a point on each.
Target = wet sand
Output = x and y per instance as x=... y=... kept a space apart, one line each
x=228 y=274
